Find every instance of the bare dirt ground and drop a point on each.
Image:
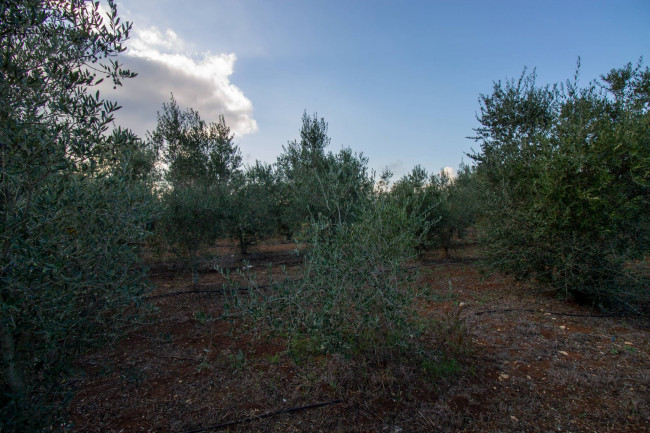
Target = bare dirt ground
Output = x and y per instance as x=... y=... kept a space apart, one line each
x=536 y=364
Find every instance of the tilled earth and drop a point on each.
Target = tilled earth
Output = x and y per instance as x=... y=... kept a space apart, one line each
x=535 y=364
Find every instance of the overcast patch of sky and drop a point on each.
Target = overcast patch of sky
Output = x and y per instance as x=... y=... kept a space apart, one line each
x=398 y=81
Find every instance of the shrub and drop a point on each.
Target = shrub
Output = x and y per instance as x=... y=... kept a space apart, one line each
x=354 y=297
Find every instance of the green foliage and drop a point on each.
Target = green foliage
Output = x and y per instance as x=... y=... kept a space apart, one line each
x=441 y=368
x=316 y=184
x=253 y=205
x=74 y=201
x=565 y=172
x=354 y=296
x=420 y=200
x=192 y=217
x=444 y=205
x=130 y=158
x=201 y=162
x=195 y=152
x=202 y=318
x=465 y=199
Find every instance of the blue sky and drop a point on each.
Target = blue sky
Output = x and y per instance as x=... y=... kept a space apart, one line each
x=396 y=80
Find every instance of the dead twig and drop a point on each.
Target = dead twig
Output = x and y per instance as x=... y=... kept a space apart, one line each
x=266 y=415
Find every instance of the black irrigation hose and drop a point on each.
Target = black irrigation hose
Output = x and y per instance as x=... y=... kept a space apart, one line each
x=220 y=291
x=191 y=292
x=266 y=415
x=166 y=267
x=600 y=316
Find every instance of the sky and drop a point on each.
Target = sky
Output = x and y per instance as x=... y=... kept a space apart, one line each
x=398 y=81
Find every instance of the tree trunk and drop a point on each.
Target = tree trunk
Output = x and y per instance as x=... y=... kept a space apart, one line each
x=194 y=265
x=12 y=372
x=243 y=245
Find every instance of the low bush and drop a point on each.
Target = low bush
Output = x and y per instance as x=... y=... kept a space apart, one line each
x=355 y=296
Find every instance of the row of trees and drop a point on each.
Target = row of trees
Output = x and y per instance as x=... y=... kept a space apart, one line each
x=559 y=188
x=448 y=205
x=354 y=295
x=209 y=195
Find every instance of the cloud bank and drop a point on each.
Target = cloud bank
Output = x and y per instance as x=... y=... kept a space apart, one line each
x=166 y=65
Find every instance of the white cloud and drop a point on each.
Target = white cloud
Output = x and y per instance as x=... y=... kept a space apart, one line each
x=165 y=65
x=152 y=38
x=449 y=171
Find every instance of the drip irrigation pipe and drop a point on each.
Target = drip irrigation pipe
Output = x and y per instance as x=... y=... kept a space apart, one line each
x=266 y=415
x=555 y=313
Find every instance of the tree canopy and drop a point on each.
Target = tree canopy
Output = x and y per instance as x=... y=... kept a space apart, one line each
x=566 y=172
x=72 y=203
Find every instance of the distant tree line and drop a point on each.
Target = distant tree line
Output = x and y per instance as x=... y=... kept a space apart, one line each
x=208 y=195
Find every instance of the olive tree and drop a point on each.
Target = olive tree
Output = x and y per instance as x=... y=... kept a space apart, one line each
x=355 y=296
x=465 y=199
x=72 y=211
x=253 y=205
x=565 y=173
x=318 y=184
x=445 y=206
x=414 y=193
x=201 y=161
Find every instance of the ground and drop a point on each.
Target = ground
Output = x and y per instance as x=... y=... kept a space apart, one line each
x=522 y=361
